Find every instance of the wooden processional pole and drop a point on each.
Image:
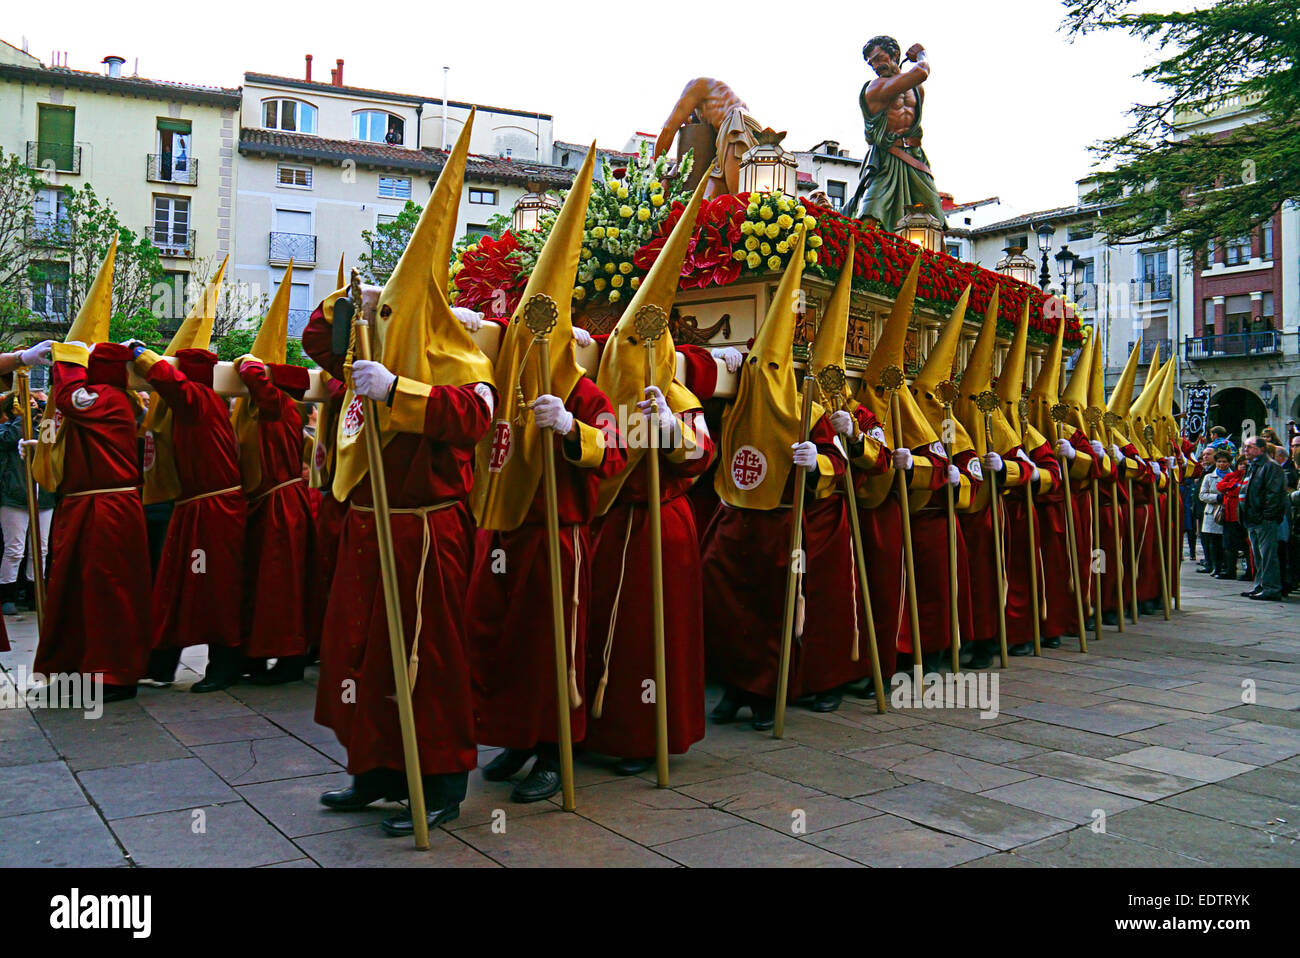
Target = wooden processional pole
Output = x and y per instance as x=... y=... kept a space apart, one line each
x=22 y=385
x=1094 y=416
x=949 y=392
x=1150 y=435
x=987 y=401
x=1060 y=413
x=891 y=381
x=1023 y=411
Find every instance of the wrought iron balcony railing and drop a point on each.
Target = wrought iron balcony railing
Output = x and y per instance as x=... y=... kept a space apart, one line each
x=178 y=244
x=1150 y=288
x=300 y=247
x=49 y=231
x=1231 y=345
x=166 y=168
x=54 y=157
x=1149 y=348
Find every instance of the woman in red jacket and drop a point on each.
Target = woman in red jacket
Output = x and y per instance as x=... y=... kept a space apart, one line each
x=1233 y=534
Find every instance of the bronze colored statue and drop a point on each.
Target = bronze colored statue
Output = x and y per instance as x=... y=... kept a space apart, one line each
x=895 y=175
x=715 y=103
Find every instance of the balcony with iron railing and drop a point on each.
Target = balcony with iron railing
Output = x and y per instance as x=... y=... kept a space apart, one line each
x=1152 y=288
x=165 y=168
x=174 y=243
x=300 y=247
x=49 y=231
x=1232 y=345
x=54 y=157
x=1149 y=346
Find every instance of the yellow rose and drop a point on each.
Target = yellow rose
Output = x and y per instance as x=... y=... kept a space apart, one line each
x=738 y=254
x=784 y=205
x=783 y=247
x=751 y=243
x=810 y=222
x=625 y=267
x=765 y=212
x=814 y=241
x=799 y=211
x=656 y=186
x=752 y=208
x=612 y=232
x=772 y=230
x=615 y=296
x=625 y=211
x=765 y=249
x=810 y=257
x=586 y=253
x=746 y=228
x=599 y=283
x=657 y=199
x=616 y=280
x=609 y=267
x=643 y=213
x=634 y=282
x=784 y=221
x=752 y=260
x=598 y=233
x=579 y=292
x=622 y=192
x=774 y=262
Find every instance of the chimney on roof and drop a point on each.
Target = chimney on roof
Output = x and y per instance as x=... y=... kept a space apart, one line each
x=309 y=68
x=338 y=74
x=113 y=65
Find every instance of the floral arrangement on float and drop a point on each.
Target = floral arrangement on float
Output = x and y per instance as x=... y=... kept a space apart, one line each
x=633 y=211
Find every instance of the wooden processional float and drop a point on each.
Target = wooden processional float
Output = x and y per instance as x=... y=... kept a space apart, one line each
x=725 y=316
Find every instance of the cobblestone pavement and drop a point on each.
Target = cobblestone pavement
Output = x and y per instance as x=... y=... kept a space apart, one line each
x=1145 y=752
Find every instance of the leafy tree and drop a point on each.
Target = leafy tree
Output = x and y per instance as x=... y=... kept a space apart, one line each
x=18 y=186
x=1165 y=185
x=239 y=342
x=385 y=243
x=238 y=304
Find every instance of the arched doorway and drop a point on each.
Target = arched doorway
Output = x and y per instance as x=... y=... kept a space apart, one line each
x=1237 y=407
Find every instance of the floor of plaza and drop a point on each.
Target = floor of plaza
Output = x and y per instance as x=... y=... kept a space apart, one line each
x=1147 y=751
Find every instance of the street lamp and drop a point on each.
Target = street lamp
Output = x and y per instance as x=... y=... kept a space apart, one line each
x=528 y=210
x=1017 y=265
x=1065 y=266
x=1270 y=400
x=921 y=227
x=767 y=167
x=1045 y=233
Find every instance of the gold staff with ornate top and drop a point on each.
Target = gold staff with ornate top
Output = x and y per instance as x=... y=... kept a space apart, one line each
x=22 y=385
x=361 y=345
x=1023 y=410
x=1175 y=498
x=891 y=381
x=1132 y=556
x=1060 y=413
x=796 y=567
x=988 y=401
x=949 y=392
x=1111 y=422
x=650 y=322
x=1149 y=434
x=831 y=382
x=1094 y=416
x=540 y=316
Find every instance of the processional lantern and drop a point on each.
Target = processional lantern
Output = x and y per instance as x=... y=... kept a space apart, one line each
x=921 y=227
x=527 y=214
x=767 y=167
x=1017 y=265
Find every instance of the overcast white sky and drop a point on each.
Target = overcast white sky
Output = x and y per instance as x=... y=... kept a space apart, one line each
x=1011 y=106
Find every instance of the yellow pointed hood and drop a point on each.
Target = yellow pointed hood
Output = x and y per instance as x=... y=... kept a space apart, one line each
x=889 y=351
x=415 y=333
x=342 y=280
x=1045 y=392
x=1011 y=381
x=978 y=378
x=833 y=329
x=622 y=373
x=762 y=424
x=89 y=327
x=1166 y=426
x=1075 y=395
x=1143 y=411
x=939 y=368
x=1097 y=388
x=161 y=481
x=1121 y=397
x=506 y=482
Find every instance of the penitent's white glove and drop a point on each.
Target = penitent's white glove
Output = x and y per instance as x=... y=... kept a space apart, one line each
x=844 y=423
x=581 y=337
x=730 y=355
x=1029 y=463
x=954 y=476
x=1116 y=454
x=992 y=462
x=1155 y=468
x=1098 y=449
x=549 y=412
x=902 y=460
x=665 y=414
x=805 y=454
x=1065 y=450
x=371 y=379
x=1169 y=463
x=470 y=319
x=38 y=355
x=22 y=447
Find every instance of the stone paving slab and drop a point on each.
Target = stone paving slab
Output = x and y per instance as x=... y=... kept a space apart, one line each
x=1106 y=775
x=1202 y=768
x=974 y=817
x=1064 y=800
x=125 y=791
x=66 y=838
x=890 y=842
x=42 y=787
x=747 y=845
x=219 y=836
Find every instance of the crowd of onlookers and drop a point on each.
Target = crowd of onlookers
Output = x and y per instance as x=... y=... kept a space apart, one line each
x=1244 y=510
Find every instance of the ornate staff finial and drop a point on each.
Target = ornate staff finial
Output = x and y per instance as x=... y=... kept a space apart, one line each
x=354 y=292
x=1093 y=415
x=1060 y=412
x=949 y=392
x=1149 y=433
x=540 y=315
x=650 y=322
x=1110 y=420
x=987 y=401
x=831 y=382
x=891 y=378
x=1022 y=408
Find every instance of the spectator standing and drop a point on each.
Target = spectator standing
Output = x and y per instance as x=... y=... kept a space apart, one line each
x=1229 y=488
x=13 y=504
x=1262 y=511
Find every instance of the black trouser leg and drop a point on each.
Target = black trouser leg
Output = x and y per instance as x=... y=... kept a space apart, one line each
x=163 y=664
x=1213 y=546
x=225 y=661
x=445 y=789
x=548 y=756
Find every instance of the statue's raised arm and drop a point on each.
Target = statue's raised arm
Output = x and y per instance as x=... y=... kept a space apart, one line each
x=713 y=102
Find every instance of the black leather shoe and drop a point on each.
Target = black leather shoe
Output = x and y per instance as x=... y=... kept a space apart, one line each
x=1021 y=650
x=403 y=825
x=288 y=669
x=1052 y=643
x=365 y=790
x=540 y=784
x=826 y=701
x=214 y=683
x=764 y=714
x=118 y=693
x=506 y=764
x=633 y=766
x=1252 y=593
x=1203 y=569
x=1265 y=596
x=982 y=658
x=725 y=711
x=1109 y=618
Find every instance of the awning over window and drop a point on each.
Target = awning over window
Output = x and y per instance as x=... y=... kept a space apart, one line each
x=175 y=126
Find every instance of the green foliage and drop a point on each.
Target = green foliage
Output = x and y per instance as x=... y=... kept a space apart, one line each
x=1162 y=184
x=239 y=342
x=385 y=243
x=141 y=325
x=497 y=224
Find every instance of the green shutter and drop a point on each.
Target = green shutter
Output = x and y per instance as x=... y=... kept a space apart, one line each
x=54 y=135
x=175 y=126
